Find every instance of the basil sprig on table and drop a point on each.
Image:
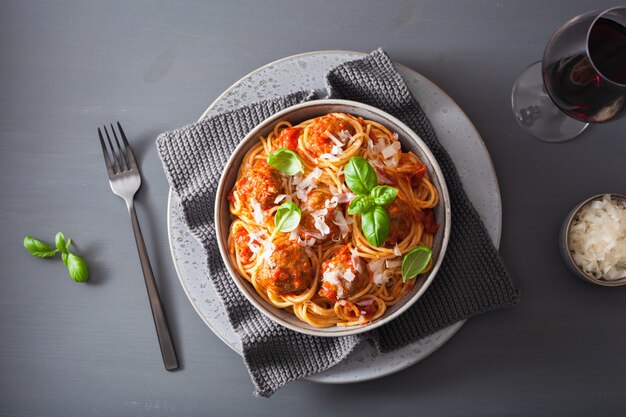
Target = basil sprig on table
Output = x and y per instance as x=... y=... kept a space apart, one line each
x=362 y=180
x=287 y=217
x=415 y=261
x=38 y=248
x=286 y=161
x=76 y=266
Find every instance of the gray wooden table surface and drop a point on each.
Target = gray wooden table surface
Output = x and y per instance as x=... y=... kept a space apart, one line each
x=70 y=349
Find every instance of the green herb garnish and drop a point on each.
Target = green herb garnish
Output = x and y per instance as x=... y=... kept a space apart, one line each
x=415 y=261
x=287 y=217
x=375 y=224
x=371 y=197
x=360 y=204
x=76 y=266
x=383 y=194
x=360 y=176
x=286 y=161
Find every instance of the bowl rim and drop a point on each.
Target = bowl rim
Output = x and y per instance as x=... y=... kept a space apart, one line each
x=566 y=251
x=245 y=288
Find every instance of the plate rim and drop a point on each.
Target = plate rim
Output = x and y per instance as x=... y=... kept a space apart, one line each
x=497 y=239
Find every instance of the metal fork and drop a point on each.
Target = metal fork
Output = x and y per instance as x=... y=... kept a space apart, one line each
x=125 y=180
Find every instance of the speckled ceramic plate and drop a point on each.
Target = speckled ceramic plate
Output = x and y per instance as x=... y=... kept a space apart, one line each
x=455 y=131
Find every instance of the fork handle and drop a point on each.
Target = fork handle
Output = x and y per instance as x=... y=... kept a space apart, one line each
x=160 y=322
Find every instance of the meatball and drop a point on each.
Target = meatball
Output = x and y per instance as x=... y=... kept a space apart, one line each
x=318 y=141
x=288 y=138
x=402 y=217
x=341 y=278
x=260 y=182
x=429 y=222
x=288 y=269
x=317 y=201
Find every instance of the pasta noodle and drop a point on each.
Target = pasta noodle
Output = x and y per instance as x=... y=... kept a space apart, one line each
x=326 y=272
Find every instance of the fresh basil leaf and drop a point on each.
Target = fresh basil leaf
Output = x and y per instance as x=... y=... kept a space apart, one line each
x=64 y=257
x=77 y=268
x=59 y=240
x=38 y=248
x=285 y=160
x=415 y=261
x=384 y=194
x=360 y=176
x=375 y=225
x=287 y=217
x=360 y=204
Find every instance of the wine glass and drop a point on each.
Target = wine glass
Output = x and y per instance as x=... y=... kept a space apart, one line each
x=581 y=79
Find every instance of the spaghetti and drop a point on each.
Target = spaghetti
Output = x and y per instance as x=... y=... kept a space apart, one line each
x=326 y=271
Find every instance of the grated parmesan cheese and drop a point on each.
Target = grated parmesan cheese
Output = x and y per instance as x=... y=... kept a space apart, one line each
x=254 y=248
x=393 y=263
x=365 y=303
x=349 y=275
x=281 y=197
x=329 y=157
x=310 y=179
x=391 y=150
x=308 y=184
x=597 y=239
x=321 y=212
x=341 y=222
x=375 y=149
x=344 y=136
x=356 y=260
x=377 y=269
x=332 y=202
x=257 y=212
x=268 y=251
x=332 y=277
x=334 y=139
x=321 y=225
x=345 y=198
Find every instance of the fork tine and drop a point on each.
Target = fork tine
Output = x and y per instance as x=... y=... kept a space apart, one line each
x=122 y=156
x=129 y=152
x=105 y=153
x=117 y=165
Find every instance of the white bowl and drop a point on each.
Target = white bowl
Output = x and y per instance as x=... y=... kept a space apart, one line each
x=296 y=114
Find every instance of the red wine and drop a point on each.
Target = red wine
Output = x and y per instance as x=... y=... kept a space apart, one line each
x=590 y=87
x=607 y=49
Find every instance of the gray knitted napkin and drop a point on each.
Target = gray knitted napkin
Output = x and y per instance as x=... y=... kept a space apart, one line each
x=472 y=278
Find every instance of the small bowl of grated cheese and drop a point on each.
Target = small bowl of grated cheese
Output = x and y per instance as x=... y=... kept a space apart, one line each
x=593 y=240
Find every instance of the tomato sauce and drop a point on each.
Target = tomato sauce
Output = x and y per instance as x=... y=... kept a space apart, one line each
x=288 y=138
x=416 y=175
x=242 y=240
x=368 y=311
x=430 y=224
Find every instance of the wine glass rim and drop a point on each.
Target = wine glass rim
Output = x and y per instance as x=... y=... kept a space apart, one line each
x=598 y=17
